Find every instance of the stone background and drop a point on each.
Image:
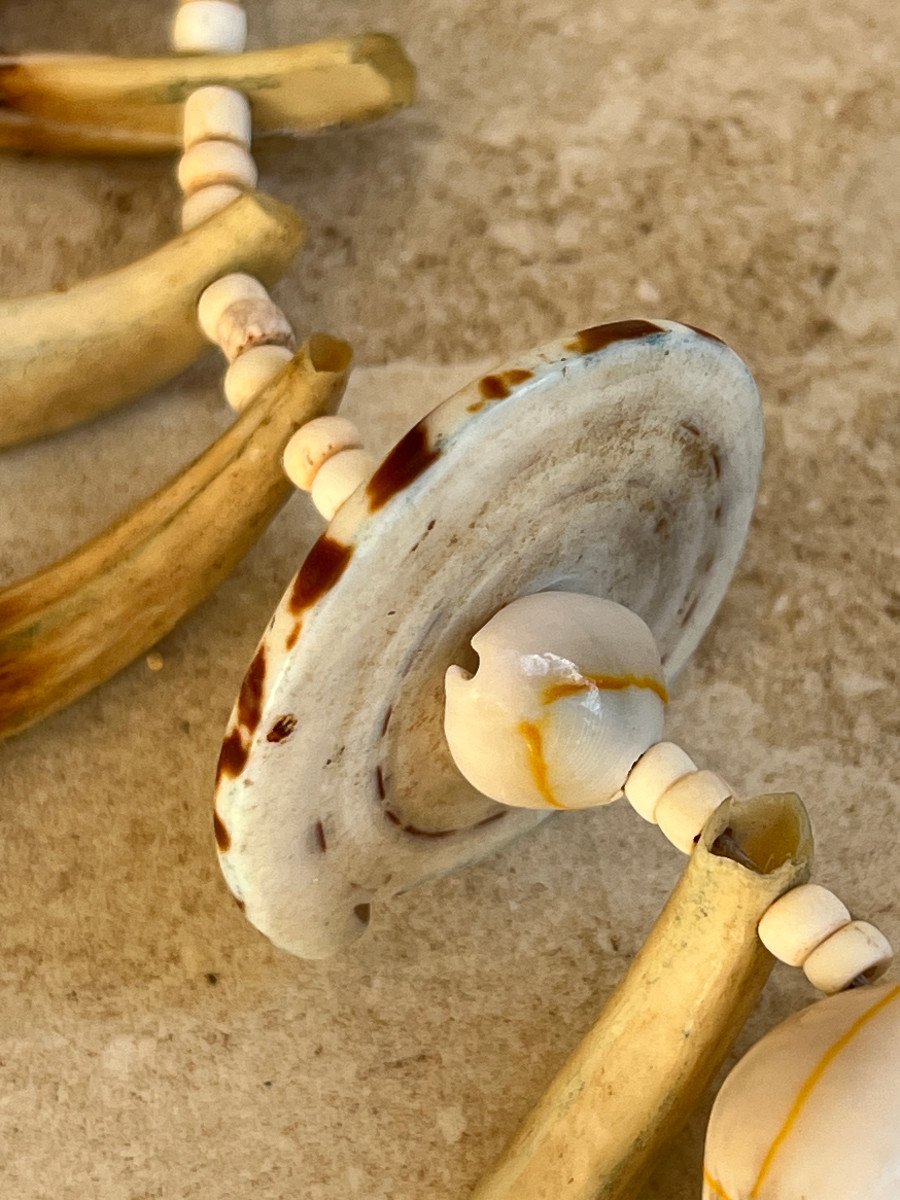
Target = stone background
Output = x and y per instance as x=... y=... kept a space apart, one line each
x=732 y=164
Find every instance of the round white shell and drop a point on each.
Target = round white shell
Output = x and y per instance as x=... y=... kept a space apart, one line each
x=621 y=462
x=812 y=1112
x=562 y=704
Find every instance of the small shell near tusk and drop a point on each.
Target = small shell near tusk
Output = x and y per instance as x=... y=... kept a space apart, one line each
x=568 y=694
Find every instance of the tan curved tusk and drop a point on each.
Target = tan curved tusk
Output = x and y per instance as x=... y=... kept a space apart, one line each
x=73 y=625
x=637 y=1075
x=68 y=356
x=72 y=104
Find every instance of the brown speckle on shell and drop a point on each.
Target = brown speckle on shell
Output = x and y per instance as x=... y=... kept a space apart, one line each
x=232 y=757
x=414 y=829
x=598 y=337
x=412 y=455
x=363 y=913
x=498 y=387
x=283 y=728
x=249 y=706
x=324 y=566
x=223 y=837
x=696 y=448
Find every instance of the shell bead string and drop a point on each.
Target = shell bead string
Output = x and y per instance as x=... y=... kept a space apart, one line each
x=566 y=711
x=236 y=313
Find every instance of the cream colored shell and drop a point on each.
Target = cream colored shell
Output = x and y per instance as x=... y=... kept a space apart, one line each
x=812 y=1112
x=568 y=695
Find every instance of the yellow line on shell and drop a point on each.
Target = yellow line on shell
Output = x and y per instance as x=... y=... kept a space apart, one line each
x=534 y=740
x=605 y=683
x=714 y=1186
x=812 y=1079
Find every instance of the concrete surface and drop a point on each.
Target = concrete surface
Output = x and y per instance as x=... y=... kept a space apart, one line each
x=731 y=164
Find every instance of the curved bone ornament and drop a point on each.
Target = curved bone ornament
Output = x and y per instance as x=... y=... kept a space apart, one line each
x=74 y=104
x=75 y=624
x=812 y=1112
x=66 y=357
x=568 y=695
x=619 y=462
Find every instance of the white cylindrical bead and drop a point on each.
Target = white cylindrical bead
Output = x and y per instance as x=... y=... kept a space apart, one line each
x=248 y=323
x=209 y=163
x=225 y=291
x=800 y=921
x=856 y=949
x=652 y=774
x=217 y=114
x=251 y=371
x=203 y=204
x=313 y=444
x=687 y=805
x=338 y=478
x=209 y=27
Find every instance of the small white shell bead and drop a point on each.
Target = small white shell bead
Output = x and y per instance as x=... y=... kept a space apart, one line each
x=810 y=927
x=220 y=295
x=653 y=774
x=568 y=694
x=249 y=323
x=314 y=444
x=325 y=458
x=251 y=371
x=236 y=312
x=339 y=478
x=209 y=27
x=856 y=949
x=209 y=164
x=208 y=200
x=800 y=921
x=812 y=1112
x=687 y=805
x=217 y=114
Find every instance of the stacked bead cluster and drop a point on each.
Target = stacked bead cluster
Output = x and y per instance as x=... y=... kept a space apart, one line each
x=809 y=926
x=236 y=312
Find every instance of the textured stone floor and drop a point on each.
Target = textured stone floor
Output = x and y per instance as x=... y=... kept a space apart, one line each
x=731 y=164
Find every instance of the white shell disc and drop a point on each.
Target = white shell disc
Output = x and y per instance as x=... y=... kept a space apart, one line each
x=621 y=462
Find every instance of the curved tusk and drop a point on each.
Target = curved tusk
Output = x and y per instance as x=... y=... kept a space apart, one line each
x=634 y=1080
x=72 y=104
x=68 y=356
x=73 y=625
